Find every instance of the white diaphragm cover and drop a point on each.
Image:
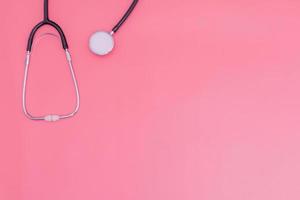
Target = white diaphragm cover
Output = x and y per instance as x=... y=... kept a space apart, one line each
x=101 y=43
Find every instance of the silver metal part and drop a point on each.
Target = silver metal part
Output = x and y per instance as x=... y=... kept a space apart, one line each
x=51 y=117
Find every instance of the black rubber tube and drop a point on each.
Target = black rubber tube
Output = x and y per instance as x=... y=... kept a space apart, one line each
x=49 y=22
x=125 y=16
x=46 y=10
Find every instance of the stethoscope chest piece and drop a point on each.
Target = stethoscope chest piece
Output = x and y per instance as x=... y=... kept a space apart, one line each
x=101 y=43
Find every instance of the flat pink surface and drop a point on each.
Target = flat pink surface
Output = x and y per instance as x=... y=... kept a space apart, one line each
x=199 y=101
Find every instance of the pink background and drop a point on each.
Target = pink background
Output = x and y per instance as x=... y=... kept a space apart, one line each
x=199 y=100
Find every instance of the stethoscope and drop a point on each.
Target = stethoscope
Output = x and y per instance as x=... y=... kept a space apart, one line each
x=100 y=43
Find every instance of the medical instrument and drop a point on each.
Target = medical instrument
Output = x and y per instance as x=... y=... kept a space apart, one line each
x=102 y=42
x=47 y=21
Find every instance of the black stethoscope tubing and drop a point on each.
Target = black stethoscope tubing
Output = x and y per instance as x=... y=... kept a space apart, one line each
x=47 y=21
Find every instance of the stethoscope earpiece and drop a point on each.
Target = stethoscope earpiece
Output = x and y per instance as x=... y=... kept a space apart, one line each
x=101 y=43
